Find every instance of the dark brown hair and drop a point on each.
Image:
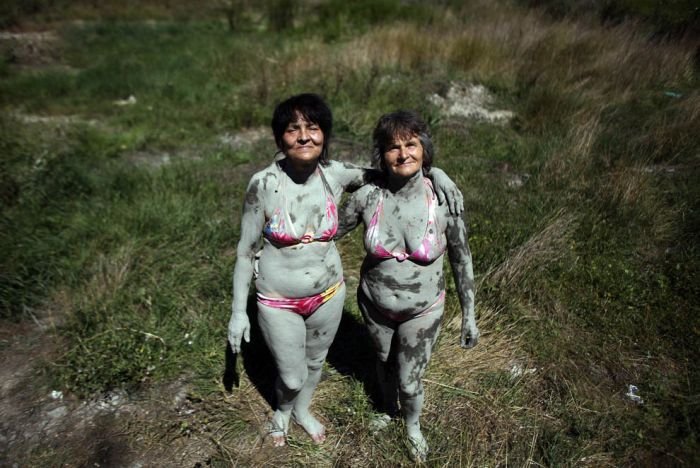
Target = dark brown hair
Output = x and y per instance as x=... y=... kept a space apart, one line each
x=310 y=106
x=402 y=124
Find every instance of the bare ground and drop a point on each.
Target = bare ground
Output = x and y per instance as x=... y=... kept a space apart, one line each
x=41 y=425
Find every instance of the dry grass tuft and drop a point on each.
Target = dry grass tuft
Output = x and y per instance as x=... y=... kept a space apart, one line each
x=109 y=273
x=633 y=59
x=548 y=246
x=629 y=186
x=570 y=166
x=498 y=347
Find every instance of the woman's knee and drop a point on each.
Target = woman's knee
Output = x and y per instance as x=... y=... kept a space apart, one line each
x=410 y=389
x=382 y=354
x=315 y=364
x=294 y=379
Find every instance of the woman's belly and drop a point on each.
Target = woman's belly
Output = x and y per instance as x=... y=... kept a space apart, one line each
x=301 y=270
x=404 y=288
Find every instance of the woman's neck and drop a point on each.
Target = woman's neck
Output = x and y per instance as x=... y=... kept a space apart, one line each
x=299 y=173
x=406 y=186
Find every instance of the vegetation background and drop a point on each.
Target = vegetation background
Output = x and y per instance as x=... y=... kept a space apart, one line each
x=128 y=133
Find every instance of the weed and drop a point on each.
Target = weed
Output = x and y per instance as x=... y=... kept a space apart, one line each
x=121 y=215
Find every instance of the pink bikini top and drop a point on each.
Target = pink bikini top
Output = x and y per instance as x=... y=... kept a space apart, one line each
x=275 y=229
x=432 y=245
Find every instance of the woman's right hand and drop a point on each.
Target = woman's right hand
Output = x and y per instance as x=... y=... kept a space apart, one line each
x=238 y=330
x=470 y=335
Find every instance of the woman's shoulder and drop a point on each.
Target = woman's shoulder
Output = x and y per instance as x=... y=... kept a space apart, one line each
x=264 y=178
x=335 y=168
x=343 y=170
x=333 y=165
x=367 y=193
x=445 y=216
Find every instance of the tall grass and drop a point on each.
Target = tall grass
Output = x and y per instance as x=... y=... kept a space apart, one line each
x=586 y=273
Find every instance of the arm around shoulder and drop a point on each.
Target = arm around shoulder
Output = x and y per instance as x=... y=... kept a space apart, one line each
x=352 y=176
x=446 y=190
x=350 y=213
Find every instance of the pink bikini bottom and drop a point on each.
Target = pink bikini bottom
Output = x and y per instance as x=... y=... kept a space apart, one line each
x=304 y=306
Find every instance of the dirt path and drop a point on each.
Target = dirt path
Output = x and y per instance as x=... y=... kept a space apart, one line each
x=42 y=427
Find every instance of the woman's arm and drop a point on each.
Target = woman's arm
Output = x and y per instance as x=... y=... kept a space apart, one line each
x=350 y=213
x=352 y=177
x=461 y=262
x=447 y=191
x=252 y=221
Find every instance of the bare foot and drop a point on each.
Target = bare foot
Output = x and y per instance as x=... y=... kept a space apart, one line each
x=417 y=446
x=277 y=430
x=379 y=422
x=312 y=426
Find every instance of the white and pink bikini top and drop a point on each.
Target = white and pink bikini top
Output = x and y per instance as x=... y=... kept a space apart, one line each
x=279 y=228
x=432 y=245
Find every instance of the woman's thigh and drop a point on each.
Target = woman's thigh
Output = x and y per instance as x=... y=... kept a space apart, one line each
x=380 y=328
x=285 y=334
x=322 y=325
x=416 y=338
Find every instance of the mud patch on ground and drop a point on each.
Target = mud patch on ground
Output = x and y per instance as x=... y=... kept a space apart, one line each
x=244 y=137
x=31 y=49
x=469 y=101
x=56 y=121
x=40 y=426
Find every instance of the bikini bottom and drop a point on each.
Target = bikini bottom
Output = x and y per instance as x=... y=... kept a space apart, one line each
x=402 y=317
x=304 y=306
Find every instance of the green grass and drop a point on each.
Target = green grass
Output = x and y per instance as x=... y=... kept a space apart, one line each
x=588 y=272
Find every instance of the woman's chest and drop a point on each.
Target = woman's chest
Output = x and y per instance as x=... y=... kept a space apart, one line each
x=401 y=224
x=300 y=206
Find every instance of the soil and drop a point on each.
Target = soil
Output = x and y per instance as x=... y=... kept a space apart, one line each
x=42 y=425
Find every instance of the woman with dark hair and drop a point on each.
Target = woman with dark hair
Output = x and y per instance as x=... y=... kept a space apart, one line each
x=402 y=287
x=298 y=276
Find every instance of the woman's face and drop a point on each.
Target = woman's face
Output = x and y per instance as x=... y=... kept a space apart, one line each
x=404 y=157
x=302 y=141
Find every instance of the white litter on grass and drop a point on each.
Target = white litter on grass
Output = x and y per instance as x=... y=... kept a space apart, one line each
x=56 y=394
x=130 y=101
x=517 y=370
x=469 y=101
x=633 y=394
x=379 y=422
x=517 y=181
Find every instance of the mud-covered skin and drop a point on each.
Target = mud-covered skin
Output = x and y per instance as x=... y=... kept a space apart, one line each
x=293 y=271
x=304 y=269
x=299 y=346
x=407 y=288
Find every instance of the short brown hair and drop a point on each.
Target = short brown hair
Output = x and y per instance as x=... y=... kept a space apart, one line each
x=401 y=124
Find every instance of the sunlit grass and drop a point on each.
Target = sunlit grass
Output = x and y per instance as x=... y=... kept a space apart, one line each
x=586 y=268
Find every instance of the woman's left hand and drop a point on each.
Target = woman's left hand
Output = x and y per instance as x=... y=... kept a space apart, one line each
x=447 y=191
x=470 y=335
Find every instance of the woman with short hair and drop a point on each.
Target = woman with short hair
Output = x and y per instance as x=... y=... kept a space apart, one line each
x=402 y=286
x=298 y=275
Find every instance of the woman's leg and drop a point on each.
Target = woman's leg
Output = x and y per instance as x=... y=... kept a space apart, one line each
x=285 y=335
x=381 y=330
x=321 y=328
x=416 y=338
